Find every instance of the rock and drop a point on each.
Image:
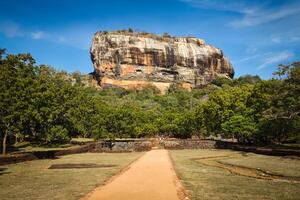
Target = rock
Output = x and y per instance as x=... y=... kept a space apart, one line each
x=132 y=60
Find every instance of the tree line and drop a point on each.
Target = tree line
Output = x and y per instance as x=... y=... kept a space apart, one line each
x=41 y=105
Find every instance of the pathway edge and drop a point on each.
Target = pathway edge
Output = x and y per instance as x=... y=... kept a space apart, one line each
x=182 y=193
x=112 y=178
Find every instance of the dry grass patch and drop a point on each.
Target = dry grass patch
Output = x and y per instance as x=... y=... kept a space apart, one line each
x=33 y=180
x=213 y=182
x=273 y=164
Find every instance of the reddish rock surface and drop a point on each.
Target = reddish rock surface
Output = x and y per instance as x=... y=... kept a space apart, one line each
x=133 y=60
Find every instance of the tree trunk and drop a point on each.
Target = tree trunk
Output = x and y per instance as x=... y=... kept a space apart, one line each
x=4 y=143
x=22 y=138
x=16 y=139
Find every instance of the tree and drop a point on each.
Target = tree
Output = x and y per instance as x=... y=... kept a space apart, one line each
x=223 y=104
x=175 y=88
x=146 y=130
x=282 y=71
x=53 y=98
x=81 y=113
x=281 y=116
x=2 y=53
x=16 y=82
x=167 y=35
x=57 y=134
x=186 y=125
x=247 y=79
x=220 y=81
x=40 y=104
x=77 y=76
x=130 y=30
x=240 y=127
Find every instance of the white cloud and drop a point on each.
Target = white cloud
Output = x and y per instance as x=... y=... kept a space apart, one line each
x=74 y=36
x=10 y=29
x=276 y=40
x=61 y=39
x=251 y=57
x=224 y=5
x=78 y=36
x=253 y=13
x=276 y=59
x=49 y=36
x=251 y=50
x=37 y=35
x=263 y=15
x=295 y=39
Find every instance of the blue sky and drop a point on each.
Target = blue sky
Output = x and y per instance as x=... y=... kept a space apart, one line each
x=256 y=35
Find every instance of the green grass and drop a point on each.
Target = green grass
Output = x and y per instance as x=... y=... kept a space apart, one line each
x=82 y=140
x=208 y=182
x=26 y=147
x=29 y=149
x=33 y=180
x=295 y=146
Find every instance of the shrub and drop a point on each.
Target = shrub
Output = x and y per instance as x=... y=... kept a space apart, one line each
x=57 y=134
x=130 y=30
x=222 y=81
x=240 y=127
x=165 y=34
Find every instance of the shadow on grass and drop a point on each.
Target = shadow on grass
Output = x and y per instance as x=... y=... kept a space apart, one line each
x=3 y=171
x=79 y=166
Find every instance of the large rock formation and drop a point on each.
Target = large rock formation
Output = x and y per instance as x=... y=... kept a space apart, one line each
x=132 y=60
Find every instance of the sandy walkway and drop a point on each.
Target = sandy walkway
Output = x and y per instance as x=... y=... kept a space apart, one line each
x=150 y=178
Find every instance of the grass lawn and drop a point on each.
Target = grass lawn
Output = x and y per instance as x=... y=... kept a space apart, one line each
x=82 y=140
x=29 y=149
x=274 y=164
x=33 y=180
x=26 y=147
x=211 y=182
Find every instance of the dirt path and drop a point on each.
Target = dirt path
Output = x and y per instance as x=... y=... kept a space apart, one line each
x=150 y=178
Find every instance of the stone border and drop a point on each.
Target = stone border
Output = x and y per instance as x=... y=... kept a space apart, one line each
x=101 y=146
x=265 y=150
x=131 y=145
x=173 y=144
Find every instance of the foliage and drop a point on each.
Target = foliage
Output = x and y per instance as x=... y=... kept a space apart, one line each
x=253 y=110
x=57 y=133
x=247 y=79
x=240 y=127
x=220 y=81
x=43 y=105
x=222 y=105
x=130 y=30
x=165 y=34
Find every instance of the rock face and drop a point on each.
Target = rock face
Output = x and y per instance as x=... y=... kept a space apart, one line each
x=133 y=60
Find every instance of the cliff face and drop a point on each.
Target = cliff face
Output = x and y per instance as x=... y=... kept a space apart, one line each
x=132 y=60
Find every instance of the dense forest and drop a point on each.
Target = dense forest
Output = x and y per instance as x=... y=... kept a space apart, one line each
x=39 y=104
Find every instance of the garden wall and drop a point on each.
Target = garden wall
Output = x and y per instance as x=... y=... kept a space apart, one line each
x=266 y=150
x=188 y=144
x=101 y=146
x=123 y=146
x=131 y=145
